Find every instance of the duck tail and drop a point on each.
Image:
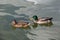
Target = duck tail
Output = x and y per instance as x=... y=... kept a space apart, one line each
x=50 y=18
x=15 y=21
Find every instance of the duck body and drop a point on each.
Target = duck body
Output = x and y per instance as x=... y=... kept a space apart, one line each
x=42 y=20
x=20 y=24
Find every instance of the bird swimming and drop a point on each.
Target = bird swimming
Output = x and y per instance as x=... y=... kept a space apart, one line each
x=19 y=24
x=41 y=20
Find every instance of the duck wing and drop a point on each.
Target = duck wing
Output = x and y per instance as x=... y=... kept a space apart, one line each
x=45 y=18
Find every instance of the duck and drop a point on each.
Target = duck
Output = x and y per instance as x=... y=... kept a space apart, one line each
x=41 y=20
x=19 y=24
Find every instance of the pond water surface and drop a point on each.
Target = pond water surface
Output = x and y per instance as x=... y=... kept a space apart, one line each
x=8 y=12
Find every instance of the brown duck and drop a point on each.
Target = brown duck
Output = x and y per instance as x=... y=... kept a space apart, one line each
x=19 y=24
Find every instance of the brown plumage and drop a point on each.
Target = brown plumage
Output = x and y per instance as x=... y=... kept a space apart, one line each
x=20 y=24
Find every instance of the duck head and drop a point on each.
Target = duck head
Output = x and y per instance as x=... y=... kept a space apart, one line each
x=35 y=17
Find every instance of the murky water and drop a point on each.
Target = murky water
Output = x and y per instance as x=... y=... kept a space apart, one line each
x=23 y=11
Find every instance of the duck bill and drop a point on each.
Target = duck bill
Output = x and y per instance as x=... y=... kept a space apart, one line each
x=31 y=18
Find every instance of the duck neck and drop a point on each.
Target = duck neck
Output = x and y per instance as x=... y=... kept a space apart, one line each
x=35 y=20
